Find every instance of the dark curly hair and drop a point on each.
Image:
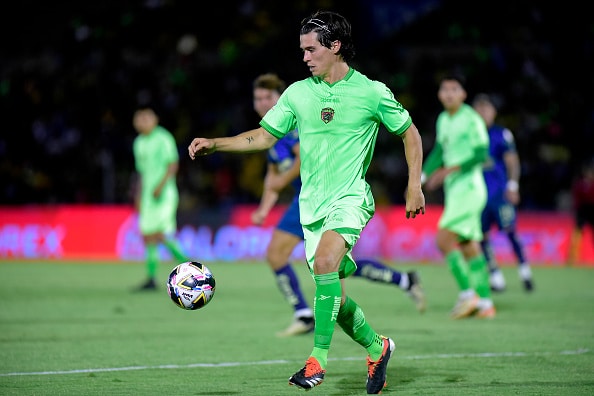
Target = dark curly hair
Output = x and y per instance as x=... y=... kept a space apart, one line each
x=331 y=26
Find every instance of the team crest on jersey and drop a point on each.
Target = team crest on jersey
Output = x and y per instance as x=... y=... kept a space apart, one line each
x=327 y=114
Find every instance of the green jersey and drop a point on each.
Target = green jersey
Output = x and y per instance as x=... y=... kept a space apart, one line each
x=338 y=125
x=153 y=153
x=461 y=136
x=462 y=140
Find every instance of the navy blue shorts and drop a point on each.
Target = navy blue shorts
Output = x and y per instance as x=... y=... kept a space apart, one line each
x=290 y=221
x=500 y=212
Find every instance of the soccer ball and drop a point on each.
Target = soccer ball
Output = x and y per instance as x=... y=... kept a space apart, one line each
x=191 y=285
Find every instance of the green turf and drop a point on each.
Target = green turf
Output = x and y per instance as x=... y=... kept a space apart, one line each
x=77 y=329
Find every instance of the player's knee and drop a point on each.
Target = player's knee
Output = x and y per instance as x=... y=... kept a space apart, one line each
x=324 y=265
x=444 y=241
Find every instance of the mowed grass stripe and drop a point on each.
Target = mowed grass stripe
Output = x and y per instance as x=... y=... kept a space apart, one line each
x=484 y=355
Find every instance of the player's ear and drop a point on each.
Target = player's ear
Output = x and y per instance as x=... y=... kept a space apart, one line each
x=335 y=46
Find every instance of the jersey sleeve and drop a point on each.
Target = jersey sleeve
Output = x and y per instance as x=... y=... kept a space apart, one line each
x=391 y=113
x=478 y=144
x=479 y=156
x=280 y=119
x=170 y=148
x=479 y=137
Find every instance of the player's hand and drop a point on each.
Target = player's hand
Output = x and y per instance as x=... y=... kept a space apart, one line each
x=415 y=202
x=513 y=197
x=258 y=217
x=436 y=179
x=201 y=146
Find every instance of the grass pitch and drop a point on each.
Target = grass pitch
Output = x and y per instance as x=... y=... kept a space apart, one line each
x=78 y=329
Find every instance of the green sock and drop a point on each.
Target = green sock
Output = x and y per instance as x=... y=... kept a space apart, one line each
x=459 y=268
x=352 y=320
x=152 y=260
x=175 y=249
x=479 y=276
x=326 y=308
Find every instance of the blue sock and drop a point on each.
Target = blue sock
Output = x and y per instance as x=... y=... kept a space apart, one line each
x=288 y=283
x=517 y=246
x=377 y=272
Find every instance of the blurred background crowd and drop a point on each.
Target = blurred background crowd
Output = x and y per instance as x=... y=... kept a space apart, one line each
x=72 y=73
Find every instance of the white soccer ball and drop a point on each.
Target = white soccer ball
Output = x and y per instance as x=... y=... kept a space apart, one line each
x=191 y=285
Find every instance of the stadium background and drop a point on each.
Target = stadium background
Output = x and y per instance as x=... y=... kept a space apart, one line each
x=71 y=73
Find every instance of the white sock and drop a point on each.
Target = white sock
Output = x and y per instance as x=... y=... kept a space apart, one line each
x=404 y=281
x=485 y=303
x=525 y=272
x=304 y=313
x=464 y=294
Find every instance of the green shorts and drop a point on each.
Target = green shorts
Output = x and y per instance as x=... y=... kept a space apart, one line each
x=349 y=223
x=158 y=216
x=463 y=219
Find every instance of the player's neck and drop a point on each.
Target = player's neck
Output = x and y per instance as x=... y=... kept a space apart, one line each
x=338 y=72
x=453 y=109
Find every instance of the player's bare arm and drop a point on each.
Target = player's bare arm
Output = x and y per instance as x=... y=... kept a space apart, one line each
x=246 y=142
x=512 y=165
x=277 y=180
x=413 y=150
x=172 y=170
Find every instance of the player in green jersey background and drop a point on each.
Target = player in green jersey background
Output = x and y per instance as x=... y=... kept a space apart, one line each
x=456 y=161
x=157 y=197
x=338 y=112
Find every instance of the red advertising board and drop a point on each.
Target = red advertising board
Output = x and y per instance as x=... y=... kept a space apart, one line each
x=111 y=233
x=63 y=231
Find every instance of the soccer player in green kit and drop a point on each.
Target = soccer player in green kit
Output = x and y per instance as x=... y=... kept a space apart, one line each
x=157 y=161
x=456 y=161
x=338 y=112
x=283 y=170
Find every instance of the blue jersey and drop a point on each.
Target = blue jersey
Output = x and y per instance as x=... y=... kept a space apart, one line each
x=501 y=141
x=282 y=155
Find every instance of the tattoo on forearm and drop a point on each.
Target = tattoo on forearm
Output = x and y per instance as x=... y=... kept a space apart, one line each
x=250 y=139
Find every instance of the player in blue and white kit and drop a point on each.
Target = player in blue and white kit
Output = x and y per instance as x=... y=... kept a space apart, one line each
x=502 y=174
x=283 y=163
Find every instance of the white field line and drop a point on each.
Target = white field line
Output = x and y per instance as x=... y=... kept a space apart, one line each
x=483 y=355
